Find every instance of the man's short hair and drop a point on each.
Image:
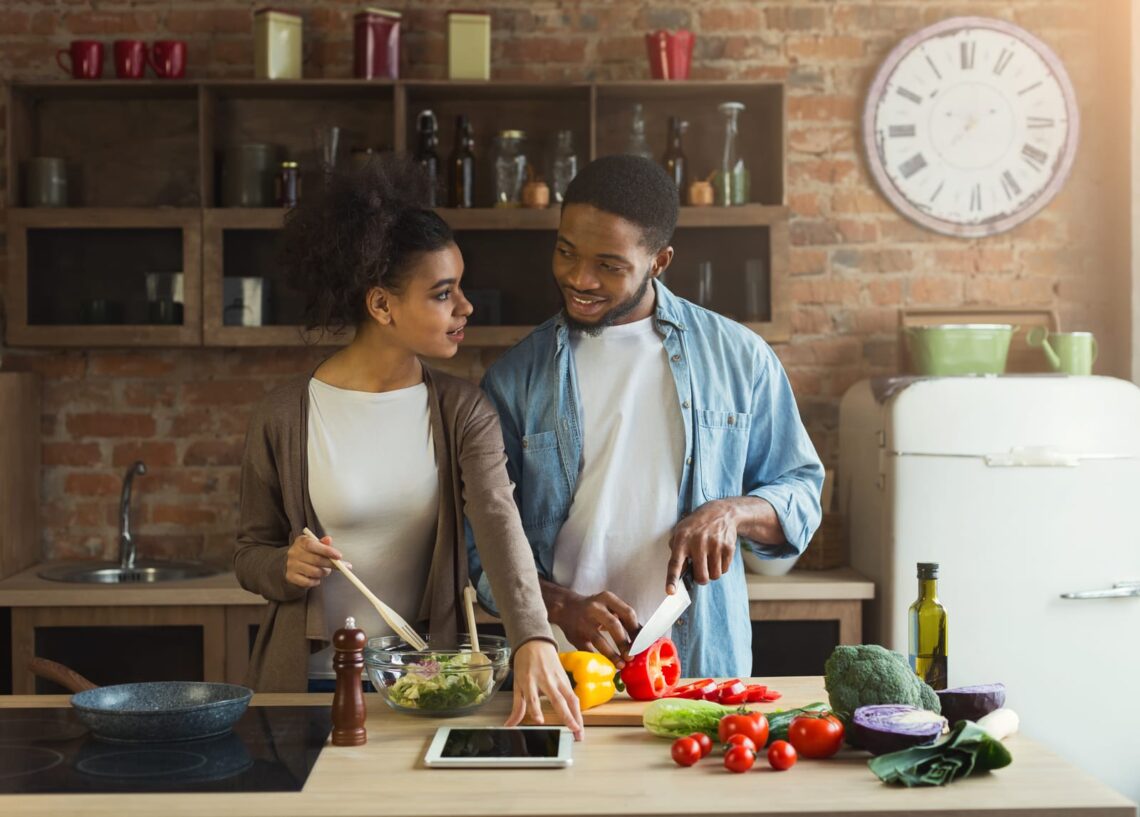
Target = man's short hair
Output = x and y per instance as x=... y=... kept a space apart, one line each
x=634 y=188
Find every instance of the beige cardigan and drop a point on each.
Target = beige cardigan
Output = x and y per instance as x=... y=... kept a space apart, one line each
x=473 y=480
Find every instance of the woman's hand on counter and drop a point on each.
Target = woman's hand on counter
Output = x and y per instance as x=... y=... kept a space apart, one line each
x=307 y=561
x=537 y=669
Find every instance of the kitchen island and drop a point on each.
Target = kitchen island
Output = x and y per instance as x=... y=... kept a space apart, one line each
x=617 y=770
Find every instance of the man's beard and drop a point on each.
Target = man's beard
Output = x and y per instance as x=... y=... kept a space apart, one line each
x=613 y=316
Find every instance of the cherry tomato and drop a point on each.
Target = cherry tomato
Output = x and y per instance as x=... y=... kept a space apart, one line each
x=739 y=759
x=686 y=751
x=704 y=741
x=753 y=724
x=781 y=755
x=816 y=736
x=740 y=739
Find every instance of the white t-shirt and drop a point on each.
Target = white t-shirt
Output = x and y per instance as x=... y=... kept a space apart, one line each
x=616 y=537
x=374 y=484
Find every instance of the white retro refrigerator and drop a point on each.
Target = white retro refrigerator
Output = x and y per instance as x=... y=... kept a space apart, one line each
x=1026 y=491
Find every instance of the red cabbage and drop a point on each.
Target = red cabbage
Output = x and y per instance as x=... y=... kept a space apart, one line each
x=883 y=728
x=971 y=703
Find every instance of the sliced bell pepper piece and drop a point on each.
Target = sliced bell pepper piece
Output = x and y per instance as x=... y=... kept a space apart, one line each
x=591 y=676
x=695 y=691
x=652 y=673
x=732 y=692
x=756 y=693
x=771 y=695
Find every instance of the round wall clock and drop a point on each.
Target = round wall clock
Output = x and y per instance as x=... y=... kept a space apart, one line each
x=971 y=126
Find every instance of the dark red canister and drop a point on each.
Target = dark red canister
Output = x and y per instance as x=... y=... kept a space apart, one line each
x=376 y=44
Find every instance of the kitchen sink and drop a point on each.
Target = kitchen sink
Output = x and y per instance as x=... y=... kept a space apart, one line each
x=113 y=573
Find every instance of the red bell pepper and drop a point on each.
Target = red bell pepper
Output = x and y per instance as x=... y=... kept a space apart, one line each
x=653 y=673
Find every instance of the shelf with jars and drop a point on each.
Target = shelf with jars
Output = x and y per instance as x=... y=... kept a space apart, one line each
x=199 y=175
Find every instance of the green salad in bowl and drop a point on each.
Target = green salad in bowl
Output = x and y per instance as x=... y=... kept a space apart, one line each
x=437 y=682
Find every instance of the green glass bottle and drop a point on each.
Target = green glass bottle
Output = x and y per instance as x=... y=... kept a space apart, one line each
x=927 y=631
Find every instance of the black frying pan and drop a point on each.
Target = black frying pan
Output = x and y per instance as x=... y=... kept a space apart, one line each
x=157 y=711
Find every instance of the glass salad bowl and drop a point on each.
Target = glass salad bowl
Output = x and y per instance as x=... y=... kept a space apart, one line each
x=437 y=683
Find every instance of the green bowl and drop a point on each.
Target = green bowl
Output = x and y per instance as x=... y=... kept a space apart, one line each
x=959 y=348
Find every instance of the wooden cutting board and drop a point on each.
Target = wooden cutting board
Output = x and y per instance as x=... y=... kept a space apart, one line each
x=622 y=710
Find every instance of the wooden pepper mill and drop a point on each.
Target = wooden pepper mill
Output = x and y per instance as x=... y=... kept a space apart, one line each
x=348 y=710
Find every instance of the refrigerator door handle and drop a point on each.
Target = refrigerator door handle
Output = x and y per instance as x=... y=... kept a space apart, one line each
x=1120 y=590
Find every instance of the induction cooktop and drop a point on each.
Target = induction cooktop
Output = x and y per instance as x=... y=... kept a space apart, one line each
x=272 y=748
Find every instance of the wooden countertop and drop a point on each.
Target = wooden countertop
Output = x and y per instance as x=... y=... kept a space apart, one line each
x=617 y=770
x=27 y=589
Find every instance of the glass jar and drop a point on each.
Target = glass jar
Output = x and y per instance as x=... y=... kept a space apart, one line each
x=510 y=167
x=638 y=145
x=732 y=181
x=564 y=167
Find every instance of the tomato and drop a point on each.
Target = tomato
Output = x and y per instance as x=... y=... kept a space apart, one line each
x=686 y=751
x=739 y=759
x=704 y=741
x=753 y=724
x=740 y=739
x=653 y=672
x=781 y=755
x=816 y=735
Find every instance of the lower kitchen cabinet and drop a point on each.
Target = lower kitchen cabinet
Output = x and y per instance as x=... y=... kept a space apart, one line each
x=114 y=645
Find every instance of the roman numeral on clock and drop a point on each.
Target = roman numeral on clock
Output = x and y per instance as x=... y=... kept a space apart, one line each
x=1010 y=185
x=896 y=131
x=1002 y=61
x=1034 y=156
x=976 y=198
x=912 y=165
x=906 y=93
x=968 y=51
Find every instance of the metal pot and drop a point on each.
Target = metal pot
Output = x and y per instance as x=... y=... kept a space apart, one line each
x=158 y=711
x=959 y=348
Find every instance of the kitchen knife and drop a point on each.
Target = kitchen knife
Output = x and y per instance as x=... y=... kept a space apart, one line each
x=663 y=617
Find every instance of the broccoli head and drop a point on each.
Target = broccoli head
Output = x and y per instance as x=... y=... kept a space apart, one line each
x=869 y=674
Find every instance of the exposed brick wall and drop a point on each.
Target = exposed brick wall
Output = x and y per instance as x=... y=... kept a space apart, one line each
x=854 y=260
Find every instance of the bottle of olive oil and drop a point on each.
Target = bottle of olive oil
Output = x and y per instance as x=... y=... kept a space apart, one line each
x=927 y=637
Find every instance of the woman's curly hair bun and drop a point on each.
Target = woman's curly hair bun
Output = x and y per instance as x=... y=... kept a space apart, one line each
x=357 y=230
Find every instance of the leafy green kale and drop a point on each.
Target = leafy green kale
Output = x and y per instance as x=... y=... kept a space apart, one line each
x=868 y=674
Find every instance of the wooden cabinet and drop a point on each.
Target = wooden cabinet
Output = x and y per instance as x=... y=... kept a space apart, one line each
x=146 y=162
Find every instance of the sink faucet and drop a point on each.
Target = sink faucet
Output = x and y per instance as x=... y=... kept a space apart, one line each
x=126 y=543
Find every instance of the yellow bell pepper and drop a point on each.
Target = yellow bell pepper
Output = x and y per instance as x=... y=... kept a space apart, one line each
x=591 y=675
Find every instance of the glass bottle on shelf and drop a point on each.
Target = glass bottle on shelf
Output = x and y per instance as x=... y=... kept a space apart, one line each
x=462 y=165
x=732 y=181
x=927 y=629
x=510 y=168
x=637 y=144
x=564 y=167
x=427 y=140
x=674 y=161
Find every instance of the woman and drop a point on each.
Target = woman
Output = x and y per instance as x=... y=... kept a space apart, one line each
x=381 y=456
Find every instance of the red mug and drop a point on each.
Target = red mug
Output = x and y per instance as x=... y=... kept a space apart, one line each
x=130 y=59
x=168 y=58
x=86 y=57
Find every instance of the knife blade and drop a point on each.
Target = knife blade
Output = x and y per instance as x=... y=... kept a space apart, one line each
x=666 y=614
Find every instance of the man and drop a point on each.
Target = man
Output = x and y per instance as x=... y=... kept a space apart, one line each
x=644 y=432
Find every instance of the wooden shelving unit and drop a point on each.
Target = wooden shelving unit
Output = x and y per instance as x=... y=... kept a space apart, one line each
x=145 y=156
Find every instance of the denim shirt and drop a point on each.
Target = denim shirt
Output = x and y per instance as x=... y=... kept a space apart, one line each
x=743 y=437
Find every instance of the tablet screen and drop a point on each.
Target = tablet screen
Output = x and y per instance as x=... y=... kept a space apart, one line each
x=504 y=742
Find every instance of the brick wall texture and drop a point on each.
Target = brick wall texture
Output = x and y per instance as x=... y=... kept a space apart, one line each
x=854 y=260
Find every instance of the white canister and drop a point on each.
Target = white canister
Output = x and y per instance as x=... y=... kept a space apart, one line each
x=276 y=44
